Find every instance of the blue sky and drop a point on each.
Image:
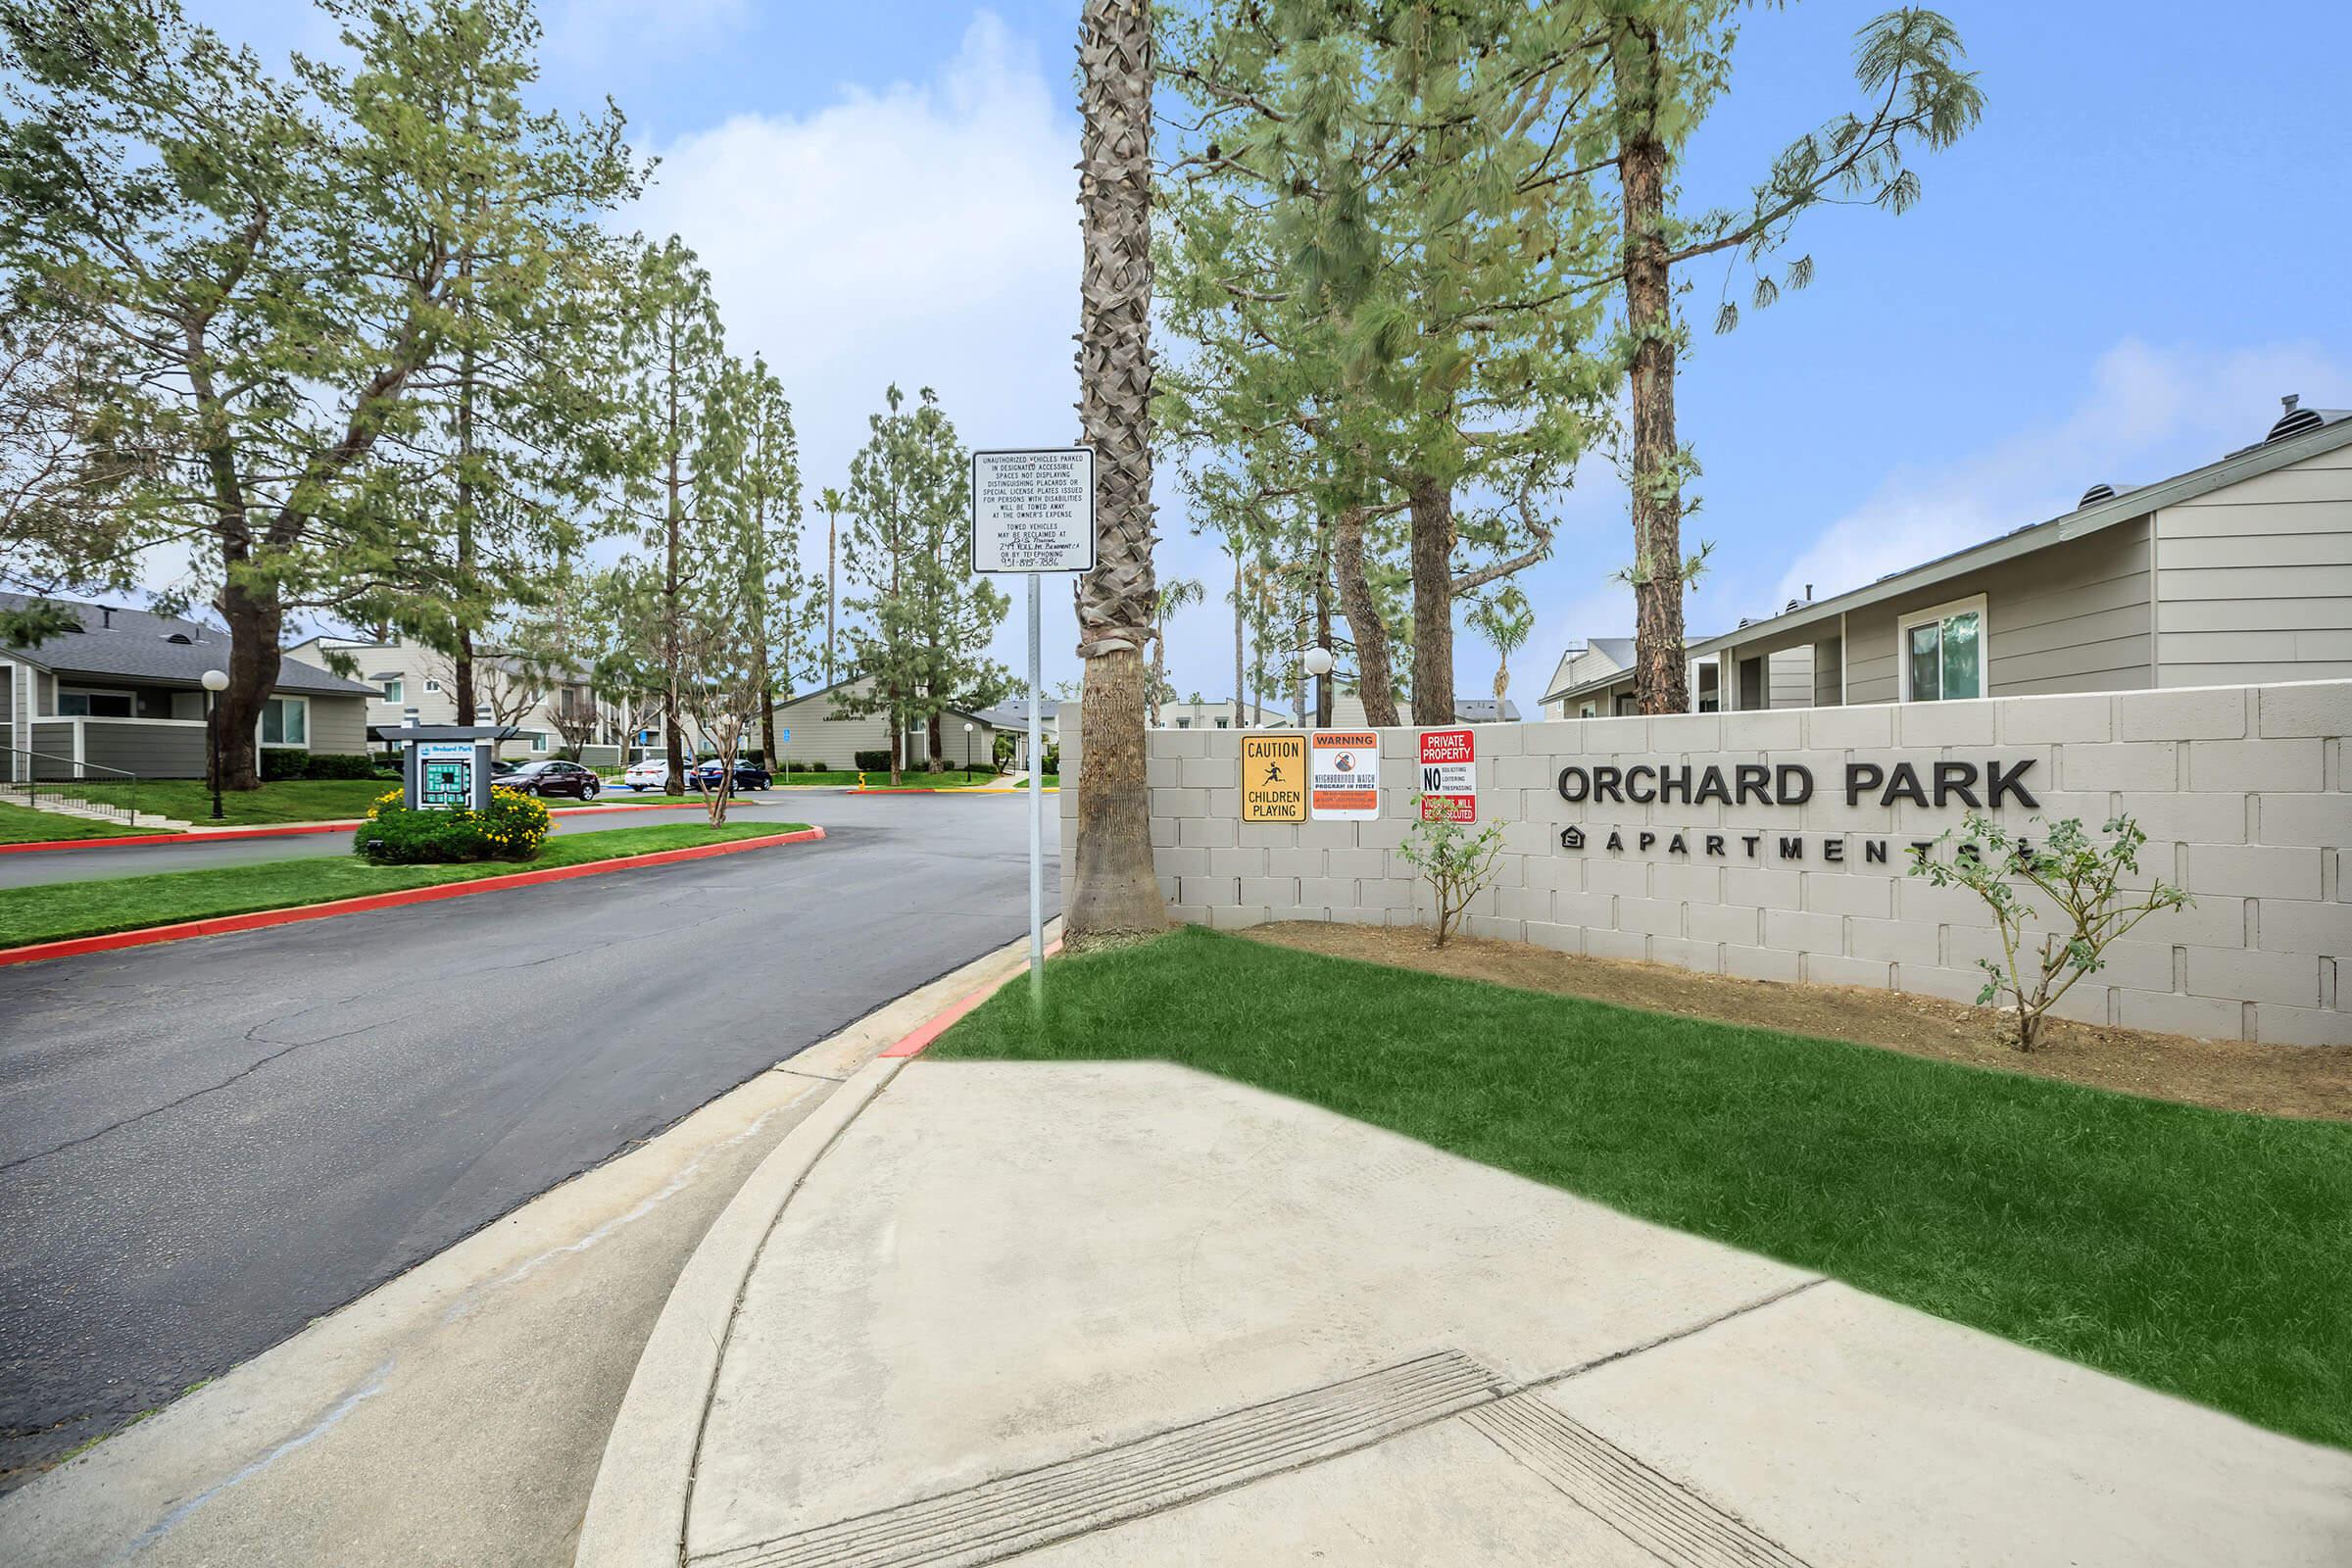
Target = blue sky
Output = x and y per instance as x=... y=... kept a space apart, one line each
x=2113 y=278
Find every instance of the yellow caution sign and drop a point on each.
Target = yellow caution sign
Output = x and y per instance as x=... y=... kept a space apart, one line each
x=1273 y=778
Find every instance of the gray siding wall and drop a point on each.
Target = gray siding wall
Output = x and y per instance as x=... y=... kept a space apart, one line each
x=2072 y=618
x=1788 y=681
x=53 y=750
x=2254 y=581
x=151 y=751
x=8 y=698
x=338 y=724
x=1829 y=673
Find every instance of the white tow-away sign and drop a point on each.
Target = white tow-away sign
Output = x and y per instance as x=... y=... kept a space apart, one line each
x=1033 y=510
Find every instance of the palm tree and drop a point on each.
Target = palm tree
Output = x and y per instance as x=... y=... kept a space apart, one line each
x=1173 y=596
x=1506 y=619
x=835 y=505
x=1114 y=888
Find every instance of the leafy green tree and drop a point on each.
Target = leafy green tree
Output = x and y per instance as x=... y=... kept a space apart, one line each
x=1374 y=213
x=927 y=621
x=523 y=417
x=778 y=598
x=1654 y=70
x=680 y=503
x=173 y=206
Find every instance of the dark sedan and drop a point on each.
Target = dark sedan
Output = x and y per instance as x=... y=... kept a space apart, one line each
x=553 y=778
x=749 y=776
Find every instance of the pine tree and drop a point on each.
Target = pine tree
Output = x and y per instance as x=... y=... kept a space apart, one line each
x=679 y=500
x=927 y=620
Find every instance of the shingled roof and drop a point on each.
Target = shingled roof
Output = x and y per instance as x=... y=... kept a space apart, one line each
x=139 y=645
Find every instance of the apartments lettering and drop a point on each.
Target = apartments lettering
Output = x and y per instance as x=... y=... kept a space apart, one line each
x=1944 y=784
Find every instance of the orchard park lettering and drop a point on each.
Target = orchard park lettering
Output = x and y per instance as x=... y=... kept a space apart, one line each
x=1984 y=788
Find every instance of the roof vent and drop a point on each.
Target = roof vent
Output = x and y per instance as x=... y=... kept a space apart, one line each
x=2294 y=421
x=2096 y=494
x=181 y=638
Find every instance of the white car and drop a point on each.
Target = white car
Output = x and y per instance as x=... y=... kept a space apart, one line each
x=651 y=775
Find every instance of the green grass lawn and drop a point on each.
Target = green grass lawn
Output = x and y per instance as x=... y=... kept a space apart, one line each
x=21 y=824
x=57 y=911
x=294 y=800
x=2203 y=1252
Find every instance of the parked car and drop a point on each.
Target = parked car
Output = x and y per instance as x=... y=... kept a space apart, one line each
x=553 y=778
x=749 y=776
x=651 y=775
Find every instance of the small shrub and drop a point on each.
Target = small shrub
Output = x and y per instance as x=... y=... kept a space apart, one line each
x=1053 y=759
x=2080 y=875
x=872 y=762
x=512 y=829
x=283 y=763
x=339 y=765
x=1455 y=862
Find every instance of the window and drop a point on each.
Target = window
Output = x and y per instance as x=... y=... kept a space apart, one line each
x=431 y=685
x=94 y=705
x=286 y=722
x=1224 y=724
x=537 y=739
x=393 y=687
x=1943 y=652
x=1183 y=723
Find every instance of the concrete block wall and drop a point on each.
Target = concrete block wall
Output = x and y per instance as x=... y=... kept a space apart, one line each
x=2244 y=792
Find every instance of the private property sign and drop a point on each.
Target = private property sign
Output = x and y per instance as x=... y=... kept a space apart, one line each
x=1033 y=510
x=1273 y=778
x=1449 y=772
x=1343 y=775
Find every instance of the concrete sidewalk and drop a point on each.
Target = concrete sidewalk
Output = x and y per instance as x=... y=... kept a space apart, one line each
x=1129 y=1314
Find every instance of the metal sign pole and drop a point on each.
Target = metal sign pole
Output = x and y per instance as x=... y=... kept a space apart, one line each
x=1037 y=798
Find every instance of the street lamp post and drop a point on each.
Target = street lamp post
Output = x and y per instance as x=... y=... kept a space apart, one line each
x=968 y=727
x=1317 y=662
x=216 y=681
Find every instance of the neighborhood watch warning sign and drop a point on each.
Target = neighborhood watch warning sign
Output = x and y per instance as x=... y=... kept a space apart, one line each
x=1343 y=775
x=1449 y=774
x=1273 y=778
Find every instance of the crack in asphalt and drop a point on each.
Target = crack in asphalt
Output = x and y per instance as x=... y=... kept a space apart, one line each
x=253 y=1034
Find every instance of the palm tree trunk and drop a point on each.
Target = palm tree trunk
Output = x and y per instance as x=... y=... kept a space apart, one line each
x=1114 y=888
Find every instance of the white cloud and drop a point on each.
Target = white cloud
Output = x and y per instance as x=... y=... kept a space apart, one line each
x=924 y=233
x=588 y=32
x=2148 y=413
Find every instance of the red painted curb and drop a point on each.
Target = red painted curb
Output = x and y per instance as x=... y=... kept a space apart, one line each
x=279 y=830
x=916 y=1039
x=222 y=925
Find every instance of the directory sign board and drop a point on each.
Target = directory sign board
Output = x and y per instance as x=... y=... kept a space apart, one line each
x=1343 y=775
x=1448 y=774
x=1273 y=777
x=1033 y=510
x=444 y=775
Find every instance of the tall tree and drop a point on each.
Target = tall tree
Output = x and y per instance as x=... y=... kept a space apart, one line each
x=767 y=492
x=1659 y=65
x=164 y=196
x=1377 y=210
x=834 y=504
x=1114 y=888
x=523 y=432
x=927 y=621
x=1173 y=596
x=680 y=504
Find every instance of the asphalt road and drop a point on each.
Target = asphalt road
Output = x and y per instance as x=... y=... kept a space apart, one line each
x=198 y=854
x=204 y=1145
